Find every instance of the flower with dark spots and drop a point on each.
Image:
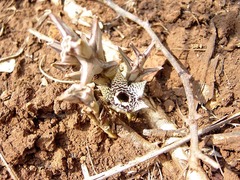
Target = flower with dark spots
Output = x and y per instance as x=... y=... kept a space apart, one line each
x=124 y=97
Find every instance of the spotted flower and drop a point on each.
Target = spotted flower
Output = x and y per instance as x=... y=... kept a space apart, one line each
x=124 y=97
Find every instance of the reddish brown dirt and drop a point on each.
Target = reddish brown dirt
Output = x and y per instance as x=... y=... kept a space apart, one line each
x=43 y=138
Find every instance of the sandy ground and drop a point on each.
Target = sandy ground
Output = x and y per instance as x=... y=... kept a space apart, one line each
x=44 y=138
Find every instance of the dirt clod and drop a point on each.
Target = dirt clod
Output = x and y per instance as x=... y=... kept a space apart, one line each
x=43 y=137
x=46 y=142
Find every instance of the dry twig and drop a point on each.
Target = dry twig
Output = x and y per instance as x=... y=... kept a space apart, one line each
x=196 y=154
x=9 y=168
x=119 y=168
x=20 y=51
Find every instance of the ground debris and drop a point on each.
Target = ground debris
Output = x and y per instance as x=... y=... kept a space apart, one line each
x=43 y=137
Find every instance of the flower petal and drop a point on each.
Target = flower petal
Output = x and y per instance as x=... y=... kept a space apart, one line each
x=137 y=88
x=139 y=105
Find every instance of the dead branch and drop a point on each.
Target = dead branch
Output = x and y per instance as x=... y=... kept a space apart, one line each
x=126 y=132
x=185 y=78
x=119 y=168
x=163 y=134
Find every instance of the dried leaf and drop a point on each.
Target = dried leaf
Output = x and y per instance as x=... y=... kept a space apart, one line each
x=7 y=66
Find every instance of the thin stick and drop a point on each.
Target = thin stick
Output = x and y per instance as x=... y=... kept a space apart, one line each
x=90 y=159
x=185 y=78
x=221 y=171
x=164 y=133
x=9 y=168
x=120 y=168
x=21 y=49
x=155 y=153
x=18 y=53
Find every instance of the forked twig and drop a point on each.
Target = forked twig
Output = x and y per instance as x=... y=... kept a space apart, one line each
x=185 y=78
x=155 y=153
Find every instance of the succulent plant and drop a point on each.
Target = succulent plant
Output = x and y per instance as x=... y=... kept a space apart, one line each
x=125 y=92
x=83 y=95
x=134 y=70
x=89 y=53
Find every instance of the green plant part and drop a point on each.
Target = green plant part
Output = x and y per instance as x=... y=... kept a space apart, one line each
x=123 y=97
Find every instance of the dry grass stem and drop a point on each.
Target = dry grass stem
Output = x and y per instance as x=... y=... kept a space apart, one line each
x=21 y=49
x=9 y=168
x=18 y=53
x=90 y=159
